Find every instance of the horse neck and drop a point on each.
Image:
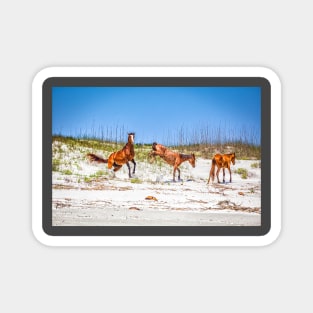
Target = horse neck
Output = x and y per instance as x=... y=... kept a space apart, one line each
x=162 y=150
x=232 y=158
x=128 y=148
x=185 y=157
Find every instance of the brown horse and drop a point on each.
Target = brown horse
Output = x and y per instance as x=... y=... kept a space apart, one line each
x=172 y=158
x=119 y=158
x=221 y=161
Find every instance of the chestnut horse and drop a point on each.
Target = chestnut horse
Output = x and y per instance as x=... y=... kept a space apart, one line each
x=119 y=158
x=172 y=158
x=221 y=161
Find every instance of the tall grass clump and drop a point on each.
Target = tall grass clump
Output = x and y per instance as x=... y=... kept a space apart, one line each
x=242 y=172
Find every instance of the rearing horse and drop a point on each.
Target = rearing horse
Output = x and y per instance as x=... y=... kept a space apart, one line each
x=172 y=158
x=119 y=158
x=221 y=161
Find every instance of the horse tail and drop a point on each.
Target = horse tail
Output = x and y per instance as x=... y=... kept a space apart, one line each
x=94 y=158
x=212 y=171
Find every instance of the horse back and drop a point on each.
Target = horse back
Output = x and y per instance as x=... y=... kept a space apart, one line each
x=227 y=159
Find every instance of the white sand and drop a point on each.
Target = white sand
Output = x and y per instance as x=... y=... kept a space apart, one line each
x=108 y=200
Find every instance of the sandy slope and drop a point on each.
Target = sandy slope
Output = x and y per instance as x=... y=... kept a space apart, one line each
x=107 y=200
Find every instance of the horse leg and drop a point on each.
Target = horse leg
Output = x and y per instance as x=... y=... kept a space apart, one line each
x=223 y=174
x=229 y=175
x=127 y=163
x=178 y=173
x=133 y=160
x=116 y=167
x=174 y=172
x=210 y=175
x=212 y=172
x=217 y=174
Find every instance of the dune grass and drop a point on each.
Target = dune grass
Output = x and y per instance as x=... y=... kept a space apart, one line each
x=242 y=150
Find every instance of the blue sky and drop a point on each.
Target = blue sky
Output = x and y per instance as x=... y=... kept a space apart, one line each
x=162 y=114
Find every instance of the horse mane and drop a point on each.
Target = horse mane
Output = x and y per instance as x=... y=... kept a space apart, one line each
x=186 y=156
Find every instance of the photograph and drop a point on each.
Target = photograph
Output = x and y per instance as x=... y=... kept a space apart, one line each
x=156 y=155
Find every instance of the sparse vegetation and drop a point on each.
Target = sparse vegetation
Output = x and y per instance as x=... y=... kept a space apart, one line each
x=244 y=151
x=256 y=165
x=56 y=164
x=204 y=141
x=136 y=180
x=99 y=173
x=242 y=172
x=87 y=179
x=78 y=148
x=67 y=172
x=207 y=151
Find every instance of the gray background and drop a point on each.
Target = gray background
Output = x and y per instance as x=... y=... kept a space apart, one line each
x=38 y=34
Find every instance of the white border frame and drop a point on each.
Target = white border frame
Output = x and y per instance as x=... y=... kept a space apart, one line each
x=270 y=237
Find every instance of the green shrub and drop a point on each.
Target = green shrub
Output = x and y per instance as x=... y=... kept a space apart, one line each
x=87 y=179
x=243 y=172
x=99 y=173
x=136 y=181
x=256 y=165
x=67 y=172
x=56 y=165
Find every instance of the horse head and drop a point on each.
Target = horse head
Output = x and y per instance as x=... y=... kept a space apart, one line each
x=233 y=158
x=192 y=161
x=131 y=137
x=159 y=149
